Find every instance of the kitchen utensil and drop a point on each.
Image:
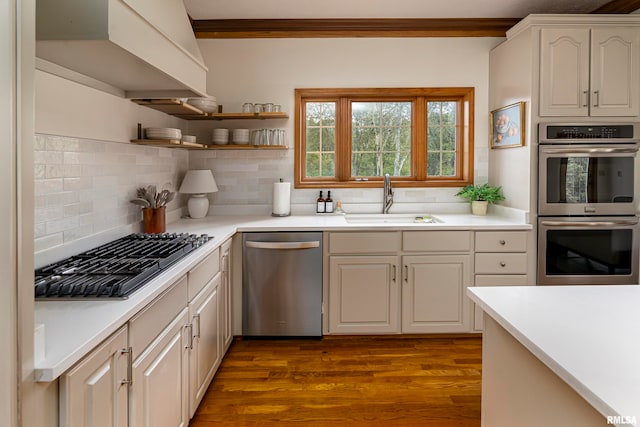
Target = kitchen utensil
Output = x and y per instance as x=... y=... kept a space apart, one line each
x=141 y=202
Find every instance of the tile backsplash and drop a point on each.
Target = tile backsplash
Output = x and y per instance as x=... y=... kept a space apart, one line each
x=83 y=186
x=245 y=181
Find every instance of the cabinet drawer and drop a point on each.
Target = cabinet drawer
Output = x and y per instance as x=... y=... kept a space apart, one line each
x=202 y=273
x=145 y=326
x=501 y=263
x=436 y=241
x=364 y=243
x=501 y=241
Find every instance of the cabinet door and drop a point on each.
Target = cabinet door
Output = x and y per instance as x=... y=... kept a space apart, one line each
x=158 y=394
x=615 y=71
x=364 y=294
x=225 y=295
x=433 y=293
x=204 y=356
x=564 y=72
x=92 y=394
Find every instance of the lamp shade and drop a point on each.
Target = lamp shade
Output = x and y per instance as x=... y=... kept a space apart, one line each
x=198 y=182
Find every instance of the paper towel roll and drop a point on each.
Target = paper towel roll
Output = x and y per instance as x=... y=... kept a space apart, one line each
x=281 y=199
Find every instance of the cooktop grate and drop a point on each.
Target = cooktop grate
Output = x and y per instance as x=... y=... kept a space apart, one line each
x=115 y=269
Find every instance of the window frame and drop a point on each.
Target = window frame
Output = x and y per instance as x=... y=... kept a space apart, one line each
x=464 y=96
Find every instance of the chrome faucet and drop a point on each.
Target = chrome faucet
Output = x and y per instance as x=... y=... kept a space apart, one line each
x=388 y=194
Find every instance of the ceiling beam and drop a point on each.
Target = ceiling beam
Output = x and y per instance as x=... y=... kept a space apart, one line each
x=619 y=6
x=319 y=28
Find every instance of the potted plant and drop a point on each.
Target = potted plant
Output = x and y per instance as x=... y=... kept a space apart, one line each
x=481 y=196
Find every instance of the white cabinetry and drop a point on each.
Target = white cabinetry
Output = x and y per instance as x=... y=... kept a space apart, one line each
x=94 y=392
x=433 y=293
x=590 y=71
x=500 y=260
x=160 y=342
x=205 y=346
x=225 y=295
x=159 y=395
x=155 y=370
x=434 y=283
x=370 y=293
x=364 y=294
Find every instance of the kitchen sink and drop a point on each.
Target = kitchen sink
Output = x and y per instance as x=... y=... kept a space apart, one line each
x=391 y=219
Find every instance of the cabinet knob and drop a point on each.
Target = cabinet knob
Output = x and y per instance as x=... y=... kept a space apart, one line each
x=503 y=264
x=502 y=243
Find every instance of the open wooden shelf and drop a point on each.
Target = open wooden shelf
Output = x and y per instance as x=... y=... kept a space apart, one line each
x=174 y=143
x=181 y=109
x=246 y=147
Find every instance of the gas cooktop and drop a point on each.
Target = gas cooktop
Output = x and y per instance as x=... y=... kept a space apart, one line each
x=115 y=269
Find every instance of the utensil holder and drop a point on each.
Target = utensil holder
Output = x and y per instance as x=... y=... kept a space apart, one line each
x=153 y=220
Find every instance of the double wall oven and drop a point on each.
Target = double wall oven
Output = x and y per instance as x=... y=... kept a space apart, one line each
x=588 y=230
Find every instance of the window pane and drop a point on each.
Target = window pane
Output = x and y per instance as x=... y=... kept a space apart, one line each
x=320 y=141
x=380 y=138
x=441 y=138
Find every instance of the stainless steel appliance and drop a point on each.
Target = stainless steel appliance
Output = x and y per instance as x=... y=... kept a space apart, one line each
x=115 y=269
x=587 y=169
x=588 y=230
x=587 y=250
x=282 y=284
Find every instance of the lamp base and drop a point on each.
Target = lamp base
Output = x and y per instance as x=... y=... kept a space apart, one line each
x=198 y=206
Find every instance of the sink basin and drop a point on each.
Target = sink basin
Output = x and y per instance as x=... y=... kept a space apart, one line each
x=391 y=219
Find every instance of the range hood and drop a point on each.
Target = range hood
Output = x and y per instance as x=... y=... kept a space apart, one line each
x=133 y=48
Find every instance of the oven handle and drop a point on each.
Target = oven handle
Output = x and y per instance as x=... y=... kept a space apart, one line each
x=590 y=150
x=599 y=224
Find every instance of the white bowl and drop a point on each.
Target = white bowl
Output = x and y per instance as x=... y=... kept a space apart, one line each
x=208 y=105
x=188 y=138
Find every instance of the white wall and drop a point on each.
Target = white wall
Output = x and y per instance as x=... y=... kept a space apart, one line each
x=510 y=82
x=85 y=168
x=268 y=70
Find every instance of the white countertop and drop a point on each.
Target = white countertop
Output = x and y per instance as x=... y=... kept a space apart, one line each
x=73 y=328
x=587 y=335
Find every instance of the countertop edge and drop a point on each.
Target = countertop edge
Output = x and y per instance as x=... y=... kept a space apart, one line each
x=600 y=405
x=226 y=227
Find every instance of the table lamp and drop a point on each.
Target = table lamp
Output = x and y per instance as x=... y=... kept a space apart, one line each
x=198 y=183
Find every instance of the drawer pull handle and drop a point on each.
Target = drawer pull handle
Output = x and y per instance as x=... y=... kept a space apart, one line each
x=502 y=242
x=406 y=273
x=394 y=273
x=190 y=342
x=503 y=264
x=129 y=352
x=197 y=319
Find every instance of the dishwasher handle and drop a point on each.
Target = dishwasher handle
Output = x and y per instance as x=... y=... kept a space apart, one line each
x=282 y=245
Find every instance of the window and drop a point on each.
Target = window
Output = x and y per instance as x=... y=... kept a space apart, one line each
x=353 y=137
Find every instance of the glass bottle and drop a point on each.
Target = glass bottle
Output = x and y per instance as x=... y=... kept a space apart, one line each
x=328 y=203
x=320 y=204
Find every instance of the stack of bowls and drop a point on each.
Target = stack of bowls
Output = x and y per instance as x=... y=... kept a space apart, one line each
x=188 y=138
x=163 y=133
x=241 y=136
x=220 y=136
x=208 y=104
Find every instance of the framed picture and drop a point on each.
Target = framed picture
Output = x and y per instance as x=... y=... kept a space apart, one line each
x=507 y=126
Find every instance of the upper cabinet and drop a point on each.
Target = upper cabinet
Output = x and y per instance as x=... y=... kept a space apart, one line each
x=132 y=48
x=590 y=71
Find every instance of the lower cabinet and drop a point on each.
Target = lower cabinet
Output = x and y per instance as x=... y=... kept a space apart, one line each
x=154 y=371
x=159 y=390
x=225 y=294
x=206 y=341
x=94 y=392
x=433 y=293
x=364 y=294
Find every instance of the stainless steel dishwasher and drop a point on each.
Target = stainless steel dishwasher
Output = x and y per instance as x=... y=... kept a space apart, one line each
x=282 y=284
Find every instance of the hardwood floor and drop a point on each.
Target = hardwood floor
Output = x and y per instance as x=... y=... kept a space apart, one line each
x=352 y=381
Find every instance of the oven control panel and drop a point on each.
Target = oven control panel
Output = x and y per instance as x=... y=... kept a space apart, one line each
x=561 y=132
